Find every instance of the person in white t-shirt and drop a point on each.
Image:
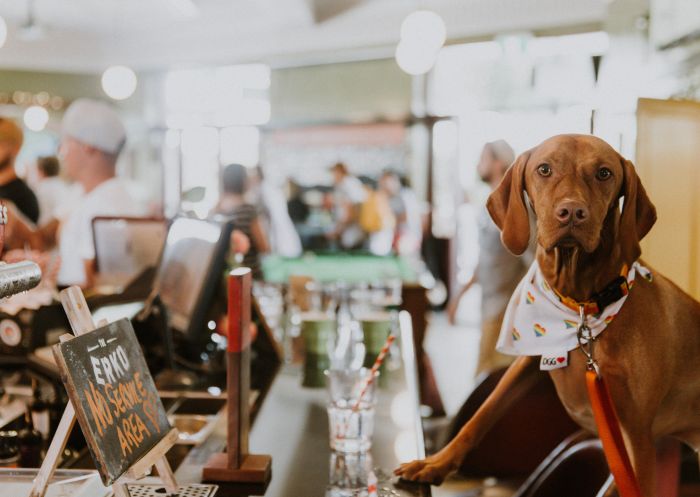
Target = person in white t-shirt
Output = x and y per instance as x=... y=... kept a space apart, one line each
x=272 y=204
x=407 y=209
x=92 y=138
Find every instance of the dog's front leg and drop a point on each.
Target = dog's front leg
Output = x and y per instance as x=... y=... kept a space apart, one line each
x=518 y=378
x=642 y=452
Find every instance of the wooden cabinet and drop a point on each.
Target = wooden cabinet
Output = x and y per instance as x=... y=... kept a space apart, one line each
x=668 y=162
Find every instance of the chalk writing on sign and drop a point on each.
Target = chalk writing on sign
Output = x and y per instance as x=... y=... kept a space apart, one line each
x=115 y=398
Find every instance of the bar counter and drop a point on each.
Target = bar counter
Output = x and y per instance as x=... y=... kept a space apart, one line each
x=292 y=426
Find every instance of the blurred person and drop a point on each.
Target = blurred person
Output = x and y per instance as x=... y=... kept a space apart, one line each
x=11 y=187
x=406 y=207
x=411 y=233
x=498 y=271
x=92 y=137
x=348 y=195
x=376 y=218
x=51 y=190
x=253 y=193
x=234 y=206
x=240 y=243
x=284 y=239
x=298 y=209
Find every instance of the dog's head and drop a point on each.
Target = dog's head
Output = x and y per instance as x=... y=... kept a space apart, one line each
x=573 y=183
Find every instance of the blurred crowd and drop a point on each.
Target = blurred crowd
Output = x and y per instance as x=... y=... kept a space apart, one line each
x=380 y=216
x=50 y=219
x=51 y=214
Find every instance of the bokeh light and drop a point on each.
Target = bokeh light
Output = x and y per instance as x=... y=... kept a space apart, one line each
x=119 y=82
x=36 y=118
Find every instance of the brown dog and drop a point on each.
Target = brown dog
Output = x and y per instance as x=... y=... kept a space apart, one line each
x=648 y=354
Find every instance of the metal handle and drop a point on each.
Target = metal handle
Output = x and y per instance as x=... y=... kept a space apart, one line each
x=585 y=339
x=18 y=277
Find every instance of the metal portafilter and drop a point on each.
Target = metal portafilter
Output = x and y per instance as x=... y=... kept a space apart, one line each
x=18 y=277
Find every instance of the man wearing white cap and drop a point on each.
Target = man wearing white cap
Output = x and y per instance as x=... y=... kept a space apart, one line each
x=92 y=138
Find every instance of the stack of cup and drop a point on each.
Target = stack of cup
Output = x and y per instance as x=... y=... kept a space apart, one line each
x=376 y=328
x=318 y=330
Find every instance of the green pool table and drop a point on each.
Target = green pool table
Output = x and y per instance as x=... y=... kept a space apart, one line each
x=349 y=268
x=357 y=268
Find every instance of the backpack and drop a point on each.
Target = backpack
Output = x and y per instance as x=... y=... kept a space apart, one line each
x=370 y=219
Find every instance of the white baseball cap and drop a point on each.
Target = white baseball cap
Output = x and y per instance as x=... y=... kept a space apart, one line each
x=94 y=123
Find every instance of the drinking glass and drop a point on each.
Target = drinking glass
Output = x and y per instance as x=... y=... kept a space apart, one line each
x=351 y=421
x=350 y=474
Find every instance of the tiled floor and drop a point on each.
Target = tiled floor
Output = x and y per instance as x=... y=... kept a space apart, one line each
x=453 y=351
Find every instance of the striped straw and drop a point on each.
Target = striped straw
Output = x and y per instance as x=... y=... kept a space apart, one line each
x=373 y=372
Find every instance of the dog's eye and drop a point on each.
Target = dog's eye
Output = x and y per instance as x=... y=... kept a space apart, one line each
x=544 y=170
x=603 y=174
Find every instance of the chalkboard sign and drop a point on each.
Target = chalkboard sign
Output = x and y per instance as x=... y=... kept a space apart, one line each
x=115 y=399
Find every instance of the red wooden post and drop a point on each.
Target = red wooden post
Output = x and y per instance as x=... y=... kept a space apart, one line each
x=238 y=367
x=237 y=465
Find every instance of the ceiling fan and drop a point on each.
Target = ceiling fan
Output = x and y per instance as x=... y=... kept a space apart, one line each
x=30 y=29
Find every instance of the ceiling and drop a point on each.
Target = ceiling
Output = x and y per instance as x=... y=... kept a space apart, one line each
x=89 y=35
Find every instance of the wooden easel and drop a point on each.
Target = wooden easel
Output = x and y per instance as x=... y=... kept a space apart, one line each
x=81 y=322
x=237 y=465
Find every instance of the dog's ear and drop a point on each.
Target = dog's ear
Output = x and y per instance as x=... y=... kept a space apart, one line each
x=638 y=214
x=507 y=207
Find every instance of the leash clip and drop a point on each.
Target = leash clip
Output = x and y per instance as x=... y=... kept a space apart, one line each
x=585 y=338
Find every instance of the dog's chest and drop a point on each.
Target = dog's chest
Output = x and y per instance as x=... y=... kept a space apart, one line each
x=570 y=384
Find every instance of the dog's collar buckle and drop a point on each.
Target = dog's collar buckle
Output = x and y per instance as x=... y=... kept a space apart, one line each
x=617 y=289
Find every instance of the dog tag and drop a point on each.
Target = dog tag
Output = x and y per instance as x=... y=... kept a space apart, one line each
x=549 y=362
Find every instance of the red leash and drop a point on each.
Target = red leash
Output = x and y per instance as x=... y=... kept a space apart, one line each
x=609 y=432
x=606 y=419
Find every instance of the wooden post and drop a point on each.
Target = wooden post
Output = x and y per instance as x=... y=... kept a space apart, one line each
x=237 y=465
x=81 y=322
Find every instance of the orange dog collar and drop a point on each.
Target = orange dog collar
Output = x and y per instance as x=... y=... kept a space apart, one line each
x=613 y=291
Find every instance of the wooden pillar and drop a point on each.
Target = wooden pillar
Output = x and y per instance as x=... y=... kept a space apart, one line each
x=237 y=465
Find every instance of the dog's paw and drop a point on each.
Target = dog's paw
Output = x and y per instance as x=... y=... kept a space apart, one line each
x=431 y=470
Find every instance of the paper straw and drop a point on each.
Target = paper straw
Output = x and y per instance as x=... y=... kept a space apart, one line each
x=373 y=372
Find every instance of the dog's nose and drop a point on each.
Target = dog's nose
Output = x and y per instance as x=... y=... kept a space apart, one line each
x=571 y=212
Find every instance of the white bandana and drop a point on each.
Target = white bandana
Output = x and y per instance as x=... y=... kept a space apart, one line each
x=536 y=322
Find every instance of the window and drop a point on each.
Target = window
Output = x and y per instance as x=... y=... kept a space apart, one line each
x=212 y=117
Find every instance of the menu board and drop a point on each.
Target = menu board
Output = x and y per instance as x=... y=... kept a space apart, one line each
x=114 y=396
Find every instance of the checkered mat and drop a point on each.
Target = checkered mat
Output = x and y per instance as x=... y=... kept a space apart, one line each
x=192 y=490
